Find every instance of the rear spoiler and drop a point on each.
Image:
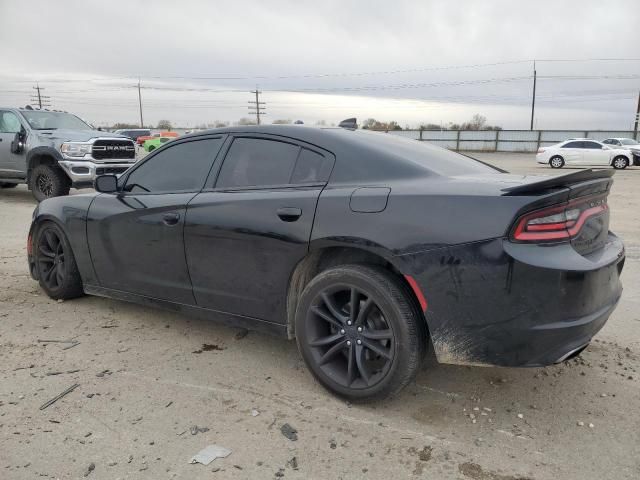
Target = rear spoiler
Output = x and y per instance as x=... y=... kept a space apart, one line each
x=566 y=180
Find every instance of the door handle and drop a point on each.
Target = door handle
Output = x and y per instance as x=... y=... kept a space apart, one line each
x=289 y=214
x=171 y=218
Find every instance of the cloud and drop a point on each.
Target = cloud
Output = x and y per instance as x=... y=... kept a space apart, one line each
x=379 y=57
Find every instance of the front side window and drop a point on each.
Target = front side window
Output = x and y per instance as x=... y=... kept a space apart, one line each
x=9 y=123
x=180 y=168
x=257 y=162
x=573 y=145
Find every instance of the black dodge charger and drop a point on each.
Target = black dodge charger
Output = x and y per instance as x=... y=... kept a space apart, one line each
x=365 y=247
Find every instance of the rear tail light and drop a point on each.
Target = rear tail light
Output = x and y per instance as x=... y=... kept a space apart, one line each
x=559 y=222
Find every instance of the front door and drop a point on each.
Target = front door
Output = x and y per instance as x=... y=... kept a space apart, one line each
x=245 y=236
x=12 y=165
x=136 y=236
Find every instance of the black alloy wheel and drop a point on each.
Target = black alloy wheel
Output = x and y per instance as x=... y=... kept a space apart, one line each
x=350 y=339
x=360 y=331
x=55 y=264
x=51 y=261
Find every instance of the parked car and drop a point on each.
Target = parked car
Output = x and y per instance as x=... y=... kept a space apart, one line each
x=135 y=133
x=364 y=247
x=52 y=151
x=627 y=144
x=584 y=151
x=155 y=142
x=144 y=138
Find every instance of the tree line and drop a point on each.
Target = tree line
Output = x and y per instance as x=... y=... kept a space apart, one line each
x=477 y=122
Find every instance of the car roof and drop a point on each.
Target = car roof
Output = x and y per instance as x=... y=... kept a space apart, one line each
x=366 y=155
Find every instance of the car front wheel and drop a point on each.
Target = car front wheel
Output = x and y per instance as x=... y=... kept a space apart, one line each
x=55 y=264
x=360 y=332
x=556 y=162
x=620 y=163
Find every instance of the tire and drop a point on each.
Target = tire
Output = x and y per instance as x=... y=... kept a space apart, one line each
x=55 y=264
x=8 y=185
x=152 y=148
x=48 y=181
x=556 y=161
x=375 y=355
x=620 y=163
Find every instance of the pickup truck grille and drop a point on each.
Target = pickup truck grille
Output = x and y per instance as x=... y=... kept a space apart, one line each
x=113 y=149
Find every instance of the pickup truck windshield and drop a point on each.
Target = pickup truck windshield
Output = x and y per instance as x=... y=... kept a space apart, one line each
x=40 y=120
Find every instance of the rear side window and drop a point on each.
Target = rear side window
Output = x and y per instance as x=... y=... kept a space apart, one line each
x=311 y=167
x=257 y=162
x=180 y=168
x=592 y=145
x=573 y=145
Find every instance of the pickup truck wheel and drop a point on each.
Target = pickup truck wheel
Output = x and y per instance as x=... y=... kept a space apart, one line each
x=48 y=181
x=55 y=264
x=8 y=185
x=360 y=332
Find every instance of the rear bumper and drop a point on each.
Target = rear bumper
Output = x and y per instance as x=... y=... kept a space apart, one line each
x=491 y=304
x=83 y=173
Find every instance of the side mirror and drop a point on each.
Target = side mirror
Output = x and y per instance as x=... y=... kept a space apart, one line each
x=106 y=184
x=17 y=144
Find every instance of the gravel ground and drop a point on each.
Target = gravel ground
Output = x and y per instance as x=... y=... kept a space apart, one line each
x=148 y=377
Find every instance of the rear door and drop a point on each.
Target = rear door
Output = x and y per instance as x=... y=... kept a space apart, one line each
x=572 y=152
x=593 y=154
x=247 y=232
x=136 y=237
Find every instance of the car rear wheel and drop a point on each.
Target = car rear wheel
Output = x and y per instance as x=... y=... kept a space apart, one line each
x=55 y=264
x=556 y=162
x=48 y=181
x=360 y=332
x=620 y=163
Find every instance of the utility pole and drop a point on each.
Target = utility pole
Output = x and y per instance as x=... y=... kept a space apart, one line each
x=41 y=100
x=256 y=105
x=533 y=100
x=140 y=103
x=635 y=125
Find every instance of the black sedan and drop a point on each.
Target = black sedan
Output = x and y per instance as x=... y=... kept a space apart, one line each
x=365 y=247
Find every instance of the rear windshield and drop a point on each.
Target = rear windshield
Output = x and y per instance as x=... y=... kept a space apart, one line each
x=436 y=159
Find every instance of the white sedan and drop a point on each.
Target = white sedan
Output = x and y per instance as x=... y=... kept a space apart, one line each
x=586 y=152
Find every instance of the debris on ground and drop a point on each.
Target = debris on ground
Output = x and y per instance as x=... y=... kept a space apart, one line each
x=208 y=347
x=209 y=454
x=104 y=373
x=293 y=463
x=194 y=430
x=255 y=413
x=58 y=397
x=241 y=334
x=90 y=468
x=290 y=432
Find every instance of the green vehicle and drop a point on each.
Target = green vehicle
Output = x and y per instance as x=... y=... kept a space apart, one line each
x=153 y=143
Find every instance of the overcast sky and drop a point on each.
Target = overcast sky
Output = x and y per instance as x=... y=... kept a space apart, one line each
x=412 y=62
